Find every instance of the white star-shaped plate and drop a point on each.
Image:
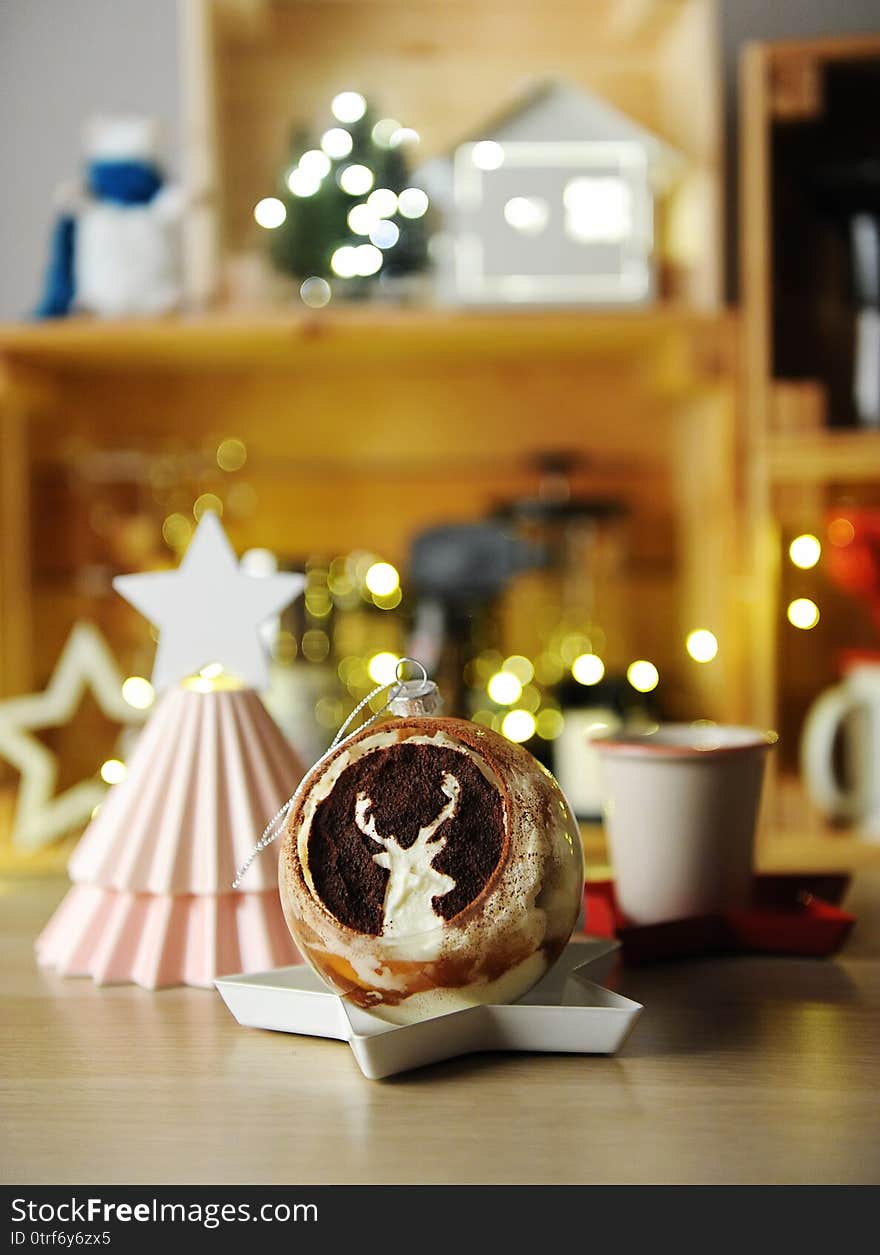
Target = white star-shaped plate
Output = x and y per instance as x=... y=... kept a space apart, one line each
x=209 y=611
x=566 y=1012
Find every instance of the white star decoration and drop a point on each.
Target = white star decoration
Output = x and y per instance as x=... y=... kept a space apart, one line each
x=209 y=610
x=85 y=662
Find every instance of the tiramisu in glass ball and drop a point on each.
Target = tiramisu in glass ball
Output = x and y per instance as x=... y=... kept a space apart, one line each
x=429 y=864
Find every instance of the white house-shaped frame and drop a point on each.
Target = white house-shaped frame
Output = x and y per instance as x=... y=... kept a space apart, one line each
x=552 y=203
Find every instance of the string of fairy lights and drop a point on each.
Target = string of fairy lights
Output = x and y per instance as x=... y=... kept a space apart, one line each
x=804 y=552
x=517 y=703
x=372 y=226
x=518 y=692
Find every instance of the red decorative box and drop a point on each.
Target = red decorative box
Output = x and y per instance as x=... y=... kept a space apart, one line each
x=794 y=915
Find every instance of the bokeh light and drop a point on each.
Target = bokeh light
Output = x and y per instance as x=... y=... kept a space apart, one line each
x=315 y=645
x=702 y=645
x=344 y=262
x=805 y=551
x=384 y=129
x=385 y=234
x=520 y=666
x=138 y=692
x=382 y=202
x=336 y=143
x=504 y=688
x=269 y=212
x=549 y=724
x=231 y=454
x=382 y=667
x=362 y=219
x=356 y=179
x=518 y=725
x=412 y=202
x=404 y=136
x=315 y=292
x=113 y=771
x=382 y=579
x=841 y=532
x=803 y=613
x=643 y=675
x=176 y=530
x=487 y=155
x=348 y=107
x=303 y=183
x=207 y=503
x=368 y=259
x=588 y=668
x=315 y=163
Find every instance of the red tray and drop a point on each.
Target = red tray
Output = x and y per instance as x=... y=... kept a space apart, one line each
x=793 y=915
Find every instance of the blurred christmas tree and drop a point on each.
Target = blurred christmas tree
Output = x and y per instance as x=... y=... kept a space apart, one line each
x=348 y=209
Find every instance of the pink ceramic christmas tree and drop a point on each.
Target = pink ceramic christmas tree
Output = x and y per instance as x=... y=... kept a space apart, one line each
x=152 y=901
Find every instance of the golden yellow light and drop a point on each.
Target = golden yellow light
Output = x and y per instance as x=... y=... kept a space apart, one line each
x=530 y=698
x=113 y=771
x=208 y=501
x=805 y=551
x=643 y=675
x=520 y=666
x=315 y=645
x=382 y=579
x=231 y=454
x=702 y=645
x=138 y=692
x=549 y=724
x=518 y=725
x=176 y=530
x=382 y=667
x=588 y=668
x=390 y=602
x=548 y=668
x=803 y=613
x=504 y=688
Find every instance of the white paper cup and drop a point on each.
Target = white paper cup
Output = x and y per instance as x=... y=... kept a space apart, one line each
x=681 y=804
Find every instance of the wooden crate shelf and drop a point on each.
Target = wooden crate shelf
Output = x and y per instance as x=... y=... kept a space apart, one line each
x=693 y=345
x=824 y=457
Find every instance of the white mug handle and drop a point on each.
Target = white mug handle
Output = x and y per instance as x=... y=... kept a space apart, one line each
x=817 y=755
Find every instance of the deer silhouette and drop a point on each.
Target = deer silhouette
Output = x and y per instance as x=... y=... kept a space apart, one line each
x=412 y=881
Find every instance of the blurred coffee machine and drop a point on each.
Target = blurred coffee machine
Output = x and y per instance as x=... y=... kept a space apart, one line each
x=569 y=616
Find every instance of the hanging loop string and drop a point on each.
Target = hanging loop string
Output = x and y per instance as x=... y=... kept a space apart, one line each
x=273 y=828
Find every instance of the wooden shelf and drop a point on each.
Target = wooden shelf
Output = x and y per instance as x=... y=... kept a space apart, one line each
x=824 y=456
x=699 y=343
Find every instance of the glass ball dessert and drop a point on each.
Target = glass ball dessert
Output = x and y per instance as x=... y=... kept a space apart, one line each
x=429 y=864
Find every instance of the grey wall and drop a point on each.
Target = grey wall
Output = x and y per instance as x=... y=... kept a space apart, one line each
x=61 y=61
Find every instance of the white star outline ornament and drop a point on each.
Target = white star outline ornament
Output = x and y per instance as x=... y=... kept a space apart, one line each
x=209 y=611
x=85 y=663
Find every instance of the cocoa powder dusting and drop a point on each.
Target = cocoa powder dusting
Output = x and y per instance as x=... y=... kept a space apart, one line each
x=403 y=783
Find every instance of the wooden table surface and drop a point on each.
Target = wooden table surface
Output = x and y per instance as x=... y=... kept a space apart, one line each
x=740 y=1070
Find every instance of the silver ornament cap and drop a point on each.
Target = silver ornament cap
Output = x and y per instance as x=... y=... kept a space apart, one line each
x=416 y=697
